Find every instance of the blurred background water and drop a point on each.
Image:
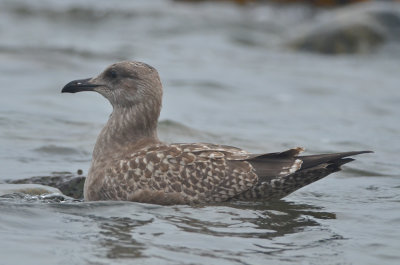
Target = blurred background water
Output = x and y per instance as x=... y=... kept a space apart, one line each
x=262 y=77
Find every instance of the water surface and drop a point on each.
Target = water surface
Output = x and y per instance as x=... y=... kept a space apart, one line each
x=227 y=79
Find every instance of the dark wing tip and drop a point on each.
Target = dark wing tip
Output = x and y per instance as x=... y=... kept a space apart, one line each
x=353 y=153
x=333 y=158
x=336 y=165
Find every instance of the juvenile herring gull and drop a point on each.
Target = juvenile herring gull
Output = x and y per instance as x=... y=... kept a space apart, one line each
x=130 y=162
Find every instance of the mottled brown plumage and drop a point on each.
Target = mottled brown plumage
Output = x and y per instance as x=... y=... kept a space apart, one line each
x=130 y=163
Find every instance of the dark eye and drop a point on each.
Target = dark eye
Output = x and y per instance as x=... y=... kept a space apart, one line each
x=113 y=74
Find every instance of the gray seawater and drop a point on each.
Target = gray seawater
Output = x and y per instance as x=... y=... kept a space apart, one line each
x=227 y=79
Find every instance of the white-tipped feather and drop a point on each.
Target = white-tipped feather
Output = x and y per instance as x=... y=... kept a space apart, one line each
x=293 y=168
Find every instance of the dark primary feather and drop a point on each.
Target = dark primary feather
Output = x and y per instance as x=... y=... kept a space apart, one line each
x=314 y=160
x=271 y=165
x=273 y=185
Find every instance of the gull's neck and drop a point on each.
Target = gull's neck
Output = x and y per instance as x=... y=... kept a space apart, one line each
x=127 y=128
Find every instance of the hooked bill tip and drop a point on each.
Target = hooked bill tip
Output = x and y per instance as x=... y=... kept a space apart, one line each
x=78 y=86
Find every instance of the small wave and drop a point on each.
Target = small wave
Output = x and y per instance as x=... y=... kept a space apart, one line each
x=171 y=130
x=82 y=13
x=31 y=192
x=170 y=124
x=204 y=84
x=363 y=173
x=68 y=51
x=59 y=150
x=24 y=198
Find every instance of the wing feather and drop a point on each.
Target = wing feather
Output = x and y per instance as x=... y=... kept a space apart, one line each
x=192 y=172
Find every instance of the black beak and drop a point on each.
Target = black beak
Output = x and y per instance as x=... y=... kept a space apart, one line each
x=78 y=86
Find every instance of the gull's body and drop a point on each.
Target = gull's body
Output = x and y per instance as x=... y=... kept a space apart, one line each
x=130 y=163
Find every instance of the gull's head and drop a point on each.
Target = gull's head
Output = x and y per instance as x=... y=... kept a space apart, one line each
x=124 y=84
